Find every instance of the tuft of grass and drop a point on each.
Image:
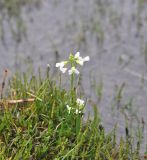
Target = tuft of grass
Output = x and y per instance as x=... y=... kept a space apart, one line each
x=52 y=126
x=45 y=130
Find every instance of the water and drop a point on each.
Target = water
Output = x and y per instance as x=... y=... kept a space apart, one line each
x=112 y=32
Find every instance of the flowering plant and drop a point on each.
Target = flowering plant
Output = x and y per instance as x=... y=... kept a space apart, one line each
x=80 y=105
x=73 y=61
x=70 y=65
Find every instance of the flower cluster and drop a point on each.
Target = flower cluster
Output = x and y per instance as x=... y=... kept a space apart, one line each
x=81 y=60
x=78 y=110
x=73 y=60
x=61 y=66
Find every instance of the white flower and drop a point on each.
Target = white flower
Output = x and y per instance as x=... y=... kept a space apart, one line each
x=77 y=55
x=61 y=66
x=63 y=70
x=68 y=108
x=48 y=65
x=87 y=58
x=80 y=102
x=81 y=60
x=77 y=111
x=73 y=70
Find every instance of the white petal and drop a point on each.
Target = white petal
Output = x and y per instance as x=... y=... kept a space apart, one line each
x=87 y=58
x=73 y=70
x=70 y=72
x=69 y=108
x=81 y=62
x=76 y=71
x=77 y=55
x=63 y=70
x=80 y=101
x=61 y=64
x=57 y=64
x=77 y=111
x=48 y=65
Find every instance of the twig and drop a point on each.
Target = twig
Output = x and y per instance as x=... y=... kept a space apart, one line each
x=11 y=103
x=3 y=82
x=19 y=101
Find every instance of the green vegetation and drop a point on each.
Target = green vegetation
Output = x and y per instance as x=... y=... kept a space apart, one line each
x=53 y=124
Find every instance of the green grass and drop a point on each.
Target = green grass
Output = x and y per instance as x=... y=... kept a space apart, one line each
x=45 y=130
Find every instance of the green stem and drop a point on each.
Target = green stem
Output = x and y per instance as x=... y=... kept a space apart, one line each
x=60 y=81
x=72 y=81
x=78 y=124
x=72 y=77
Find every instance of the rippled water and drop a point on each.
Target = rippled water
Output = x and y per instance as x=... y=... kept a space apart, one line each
x=112 y=32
